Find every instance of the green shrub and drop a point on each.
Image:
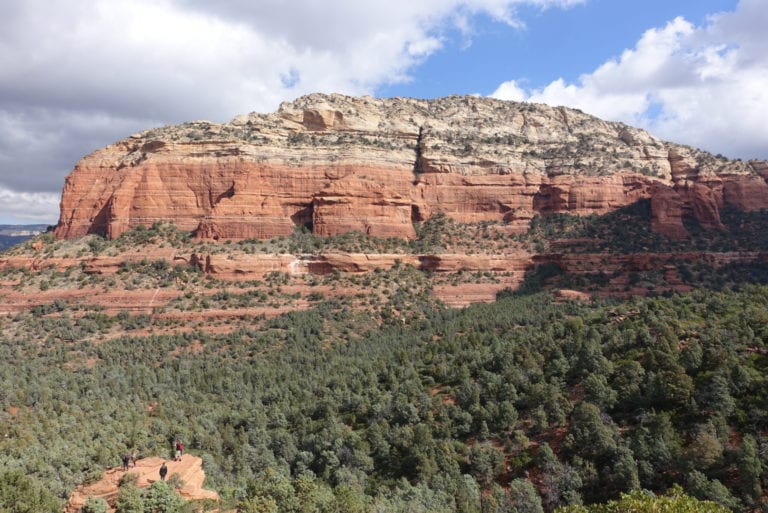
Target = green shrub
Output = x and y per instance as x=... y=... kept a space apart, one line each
x=644 y=502
x=95 y=505
x=21 y=494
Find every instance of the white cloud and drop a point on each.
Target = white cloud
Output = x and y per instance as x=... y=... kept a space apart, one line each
x=163 y=59
x=706 y=86
x=512 y=91
x=75 y=76
x=28 y=207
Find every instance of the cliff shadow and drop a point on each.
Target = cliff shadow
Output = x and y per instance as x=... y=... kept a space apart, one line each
x=100 y=221
x=304 y=217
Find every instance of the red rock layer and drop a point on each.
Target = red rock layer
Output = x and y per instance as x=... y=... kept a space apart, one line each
x=232 y=199
x=377 y=166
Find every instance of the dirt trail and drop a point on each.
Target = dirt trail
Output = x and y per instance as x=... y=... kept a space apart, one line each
x=189 y=469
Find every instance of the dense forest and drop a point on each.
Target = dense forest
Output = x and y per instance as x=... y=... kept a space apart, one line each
x=528 y=404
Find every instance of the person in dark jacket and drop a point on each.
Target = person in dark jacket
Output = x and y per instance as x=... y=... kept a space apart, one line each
x=163 y=471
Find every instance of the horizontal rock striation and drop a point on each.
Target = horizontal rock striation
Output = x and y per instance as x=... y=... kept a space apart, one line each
x=340 y=164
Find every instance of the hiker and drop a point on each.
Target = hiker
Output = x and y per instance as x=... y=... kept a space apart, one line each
x=163 y=472
x=134 y=457
x=126 y=460
x=179 y=450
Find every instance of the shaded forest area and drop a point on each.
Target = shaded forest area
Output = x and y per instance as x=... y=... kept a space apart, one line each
x=525 y=404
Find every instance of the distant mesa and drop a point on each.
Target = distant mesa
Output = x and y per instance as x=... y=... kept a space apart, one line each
x=22 y=230
x=338 y=164
x=11 y=234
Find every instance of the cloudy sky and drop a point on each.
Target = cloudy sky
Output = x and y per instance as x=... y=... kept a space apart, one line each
x=77 y=75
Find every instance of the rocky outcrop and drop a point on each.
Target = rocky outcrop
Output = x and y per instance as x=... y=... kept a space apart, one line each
x=363 y=205
x=667 y=212
x=146 y=471
x=458 y=279
x=746 y=193
x=228 y=266
x=339 y=164
x=243 y=267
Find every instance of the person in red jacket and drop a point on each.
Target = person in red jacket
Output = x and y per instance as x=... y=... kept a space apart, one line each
x=179 y=450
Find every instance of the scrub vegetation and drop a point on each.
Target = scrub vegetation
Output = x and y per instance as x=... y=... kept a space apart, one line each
x=386 y=400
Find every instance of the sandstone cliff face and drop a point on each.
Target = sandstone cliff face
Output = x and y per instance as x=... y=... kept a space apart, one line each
x=378 y=166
